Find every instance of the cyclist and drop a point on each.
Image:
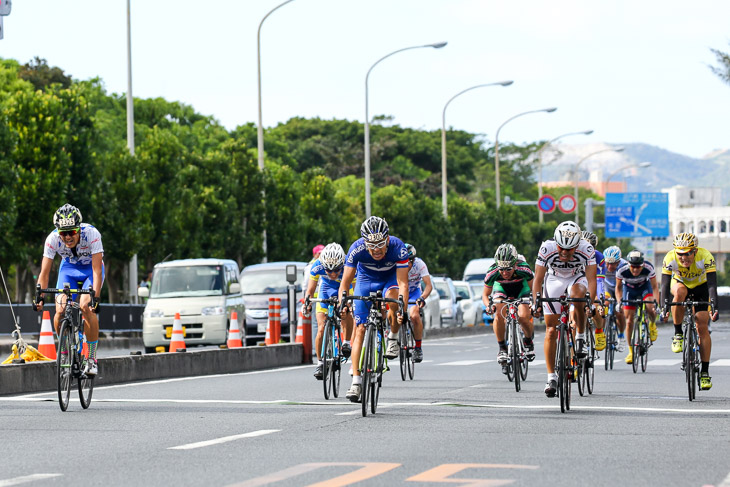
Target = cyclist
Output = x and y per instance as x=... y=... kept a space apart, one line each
x=381 y=263
x=510 y=277
x=324 y=278
x=79 y=246
x=612 y=255
x=566 y=265
x=690 y=271
x=417 y=273
x=640 y=279
x=600 y=286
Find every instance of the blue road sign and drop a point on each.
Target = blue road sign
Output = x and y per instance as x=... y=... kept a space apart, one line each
x=637 y=215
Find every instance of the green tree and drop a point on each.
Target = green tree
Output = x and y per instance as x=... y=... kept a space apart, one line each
x=42 y=76
x=722 y=70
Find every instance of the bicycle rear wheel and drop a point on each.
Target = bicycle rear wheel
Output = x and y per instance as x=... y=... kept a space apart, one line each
x=327 y=360
x=645 y=344
x=64 y=364
x=590 y=362
x=367 y=369
x=336 y=362
x=564 y=374
x=86 y=389
x=411 y=351
x=611 y=343
x=403 y=356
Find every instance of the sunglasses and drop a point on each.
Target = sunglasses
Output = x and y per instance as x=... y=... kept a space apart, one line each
x=564 y=249
x=69 y=233
x=684 y=254
x=334 y=271
x=378 y=245
x=636 y=266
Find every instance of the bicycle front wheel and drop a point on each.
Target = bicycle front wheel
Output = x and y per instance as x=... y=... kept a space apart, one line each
x=514 y=357
x=690 y=366
x=86 y=388
x=590 y=362
x=64 y=364
x=411 y=340
x=367 y=368
x=635 y=346
x=336 y=362
x=403 y=355
x=564 y=374
x=510 y=366
x=327 y=360
x=645 y=344
x=611 y=343
x=377 y=376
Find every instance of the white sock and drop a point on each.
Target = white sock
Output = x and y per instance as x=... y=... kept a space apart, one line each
x=346 y=342
x=319 y=362
x=580 y=336
x=392 y=335
x=356 y=379
x=552 y=376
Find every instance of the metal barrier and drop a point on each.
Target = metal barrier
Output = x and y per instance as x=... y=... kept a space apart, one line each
x=114 y=318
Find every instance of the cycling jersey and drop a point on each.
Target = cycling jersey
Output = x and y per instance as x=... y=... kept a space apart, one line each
x=610 y=277
x=694 y=275
x=75 y=262
x=513 y=287
x=415 y=276
x=600 y=273
x=549 y=257
x=624 y=275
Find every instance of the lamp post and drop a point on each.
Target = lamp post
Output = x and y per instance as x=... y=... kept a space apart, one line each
x=368 y=213
x=496 y=146
x=574 y=172
x=130 y=142
x=539 y=162
x=628 y=166
x=443 y=138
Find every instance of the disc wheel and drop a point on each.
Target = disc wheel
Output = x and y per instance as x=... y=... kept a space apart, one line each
x=64 y=364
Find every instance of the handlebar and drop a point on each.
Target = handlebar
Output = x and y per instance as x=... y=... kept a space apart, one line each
x=563 y=300
x=65 y=290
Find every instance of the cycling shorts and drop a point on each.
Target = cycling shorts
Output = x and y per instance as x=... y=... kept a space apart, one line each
x=498 y=292
x=556 y=286
x=413 y=295
x=75 y=274
x=642 y=292
x=699 y=293
x=325 y=290
x=363 y=287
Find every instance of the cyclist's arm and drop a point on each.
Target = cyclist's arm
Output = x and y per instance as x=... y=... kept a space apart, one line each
x=347 y=276
x=96 y=262
x=619 y=288
x=485 y=294
x=401 y=275
x=537 y=282
x=655 y=288
x=591 y=275
x=665 y=294
x=45 y=273
x=311 y=286
x=427 y=288
x=712 y=287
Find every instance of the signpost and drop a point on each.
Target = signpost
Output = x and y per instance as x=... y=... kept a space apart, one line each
x=546 y=204
x=567 y=203
x=637 y=215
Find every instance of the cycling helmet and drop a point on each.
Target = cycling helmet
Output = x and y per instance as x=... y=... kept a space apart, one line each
x=67 y=217
x=612 y=254
x=590 y=237
x=506 y=256
x=374 y=229
x=685 y=241
x=332 y=257
x=567 y=235
x=635 y=258
x=411 y=251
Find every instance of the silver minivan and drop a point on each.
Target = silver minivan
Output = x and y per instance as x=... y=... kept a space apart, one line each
x=204 y=291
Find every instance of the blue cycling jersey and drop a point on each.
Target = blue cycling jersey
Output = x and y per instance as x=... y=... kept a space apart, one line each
x=395 y=257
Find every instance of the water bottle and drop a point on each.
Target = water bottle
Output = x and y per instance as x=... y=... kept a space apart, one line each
x=81 y=341
x=378 y=344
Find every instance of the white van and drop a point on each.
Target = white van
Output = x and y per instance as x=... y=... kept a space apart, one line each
x=203 y=291
x=476 y=269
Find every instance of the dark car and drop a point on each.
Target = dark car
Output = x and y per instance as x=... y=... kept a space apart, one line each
x=259 y=282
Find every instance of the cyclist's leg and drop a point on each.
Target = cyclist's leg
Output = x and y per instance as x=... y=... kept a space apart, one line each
x=91 y=327
x=554 y=287
x=363 y=287
x=680 y=293
x=630 y=315
x=390 y=291
x=67 y=274
x=578 y=290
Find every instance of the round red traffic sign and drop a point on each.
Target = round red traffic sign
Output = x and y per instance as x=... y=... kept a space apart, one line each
x=546 y=204
x=567 y=203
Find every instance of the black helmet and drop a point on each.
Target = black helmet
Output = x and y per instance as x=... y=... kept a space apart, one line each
x=411 y=251
x=374 y=229
x=635 y=258
x=67 y=217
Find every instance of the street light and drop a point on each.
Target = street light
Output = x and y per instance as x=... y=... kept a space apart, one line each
x=539 y=161
x=574 y=172
x=437 y=45
x=628 y=166
x=496 y=145
x=443 y=138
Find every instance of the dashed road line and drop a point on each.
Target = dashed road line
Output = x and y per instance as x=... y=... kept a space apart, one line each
x=28 y=478
x=225 y=439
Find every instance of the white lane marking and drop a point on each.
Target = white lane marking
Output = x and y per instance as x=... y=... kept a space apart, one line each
x=664 y=362
x=468 y=362
x=28 y=478
x=723 y=362
x=225 y=439
x=726 y=482
x=537 y=362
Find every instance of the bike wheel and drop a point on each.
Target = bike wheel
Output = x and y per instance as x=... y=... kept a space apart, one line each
x=510 y=367
x=411 y=351
x=590 y=363
x=562 y=369
x=377 y=376
x=524 y=363
x=64 y=364
x=645 y=343
x=691 y=375
x=581 y=376
x=327 y=361
x=336 y=363
x=403 y=356
x=514 y=358
x=366 y=371
x=635 y=347
x=610 y=337
x=86 y=389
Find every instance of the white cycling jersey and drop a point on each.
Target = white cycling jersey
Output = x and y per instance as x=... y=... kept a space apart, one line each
x=79 y=256
x=549 y=257
x=416 y=274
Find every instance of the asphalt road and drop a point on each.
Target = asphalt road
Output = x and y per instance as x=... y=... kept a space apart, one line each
x=459 y=419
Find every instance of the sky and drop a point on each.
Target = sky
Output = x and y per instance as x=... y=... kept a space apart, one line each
x=632 y=71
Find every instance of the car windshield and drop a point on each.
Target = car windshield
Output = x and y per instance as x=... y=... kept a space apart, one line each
x=269 y=281
x=188 y=281
x=462 y=291
x=442 y=288
x=475 y=277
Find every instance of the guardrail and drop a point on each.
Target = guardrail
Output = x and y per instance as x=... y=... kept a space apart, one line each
x=114 y=318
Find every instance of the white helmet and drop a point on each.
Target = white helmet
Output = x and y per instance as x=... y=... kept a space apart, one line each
x=332 y=257
x=567 y=235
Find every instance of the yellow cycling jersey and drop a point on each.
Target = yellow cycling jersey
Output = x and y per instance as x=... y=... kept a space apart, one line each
x=694 y=275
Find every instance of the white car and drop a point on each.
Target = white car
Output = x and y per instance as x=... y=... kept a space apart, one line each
x=470 y=303
x=432 y=311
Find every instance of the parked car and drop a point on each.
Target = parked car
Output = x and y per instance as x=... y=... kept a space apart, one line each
x=476 y=269
x=432 y=311
x=451 y=313
x=204 y=291
x=478 y=288
x=259 y=282
x=471 y=304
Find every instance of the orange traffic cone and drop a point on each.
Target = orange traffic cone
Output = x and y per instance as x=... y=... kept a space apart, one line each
x=300 y=329
x=45 y=342
x=177 y=341
x=269 y=338
x=234 y=334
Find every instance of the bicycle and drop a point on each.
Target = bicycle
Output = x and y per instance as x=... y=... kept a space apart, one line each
x=407 y=342
x=690 y=344
x=372 y=362
x=332 y=359
x=565 y=359
x=611 y=334
x=586 y=369
x=516 y=354
x=70 y=362
x=640 y=339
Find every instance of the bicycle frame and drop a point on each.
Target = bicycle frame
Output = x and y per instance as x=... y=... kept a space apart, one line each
x=691 y=360
x=517 y=363
x=611 y=334
x=640 y=340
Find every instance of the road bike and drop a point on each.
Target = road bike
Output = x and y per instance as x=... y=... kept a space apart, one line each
x=691 y=360
x=331 y=353
x=586 y=369
x=566 y=364
x=372 y=361
x=611 y=334
x=517 y=361
x=640 y=339
x=407 y=342
x=70 y=361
